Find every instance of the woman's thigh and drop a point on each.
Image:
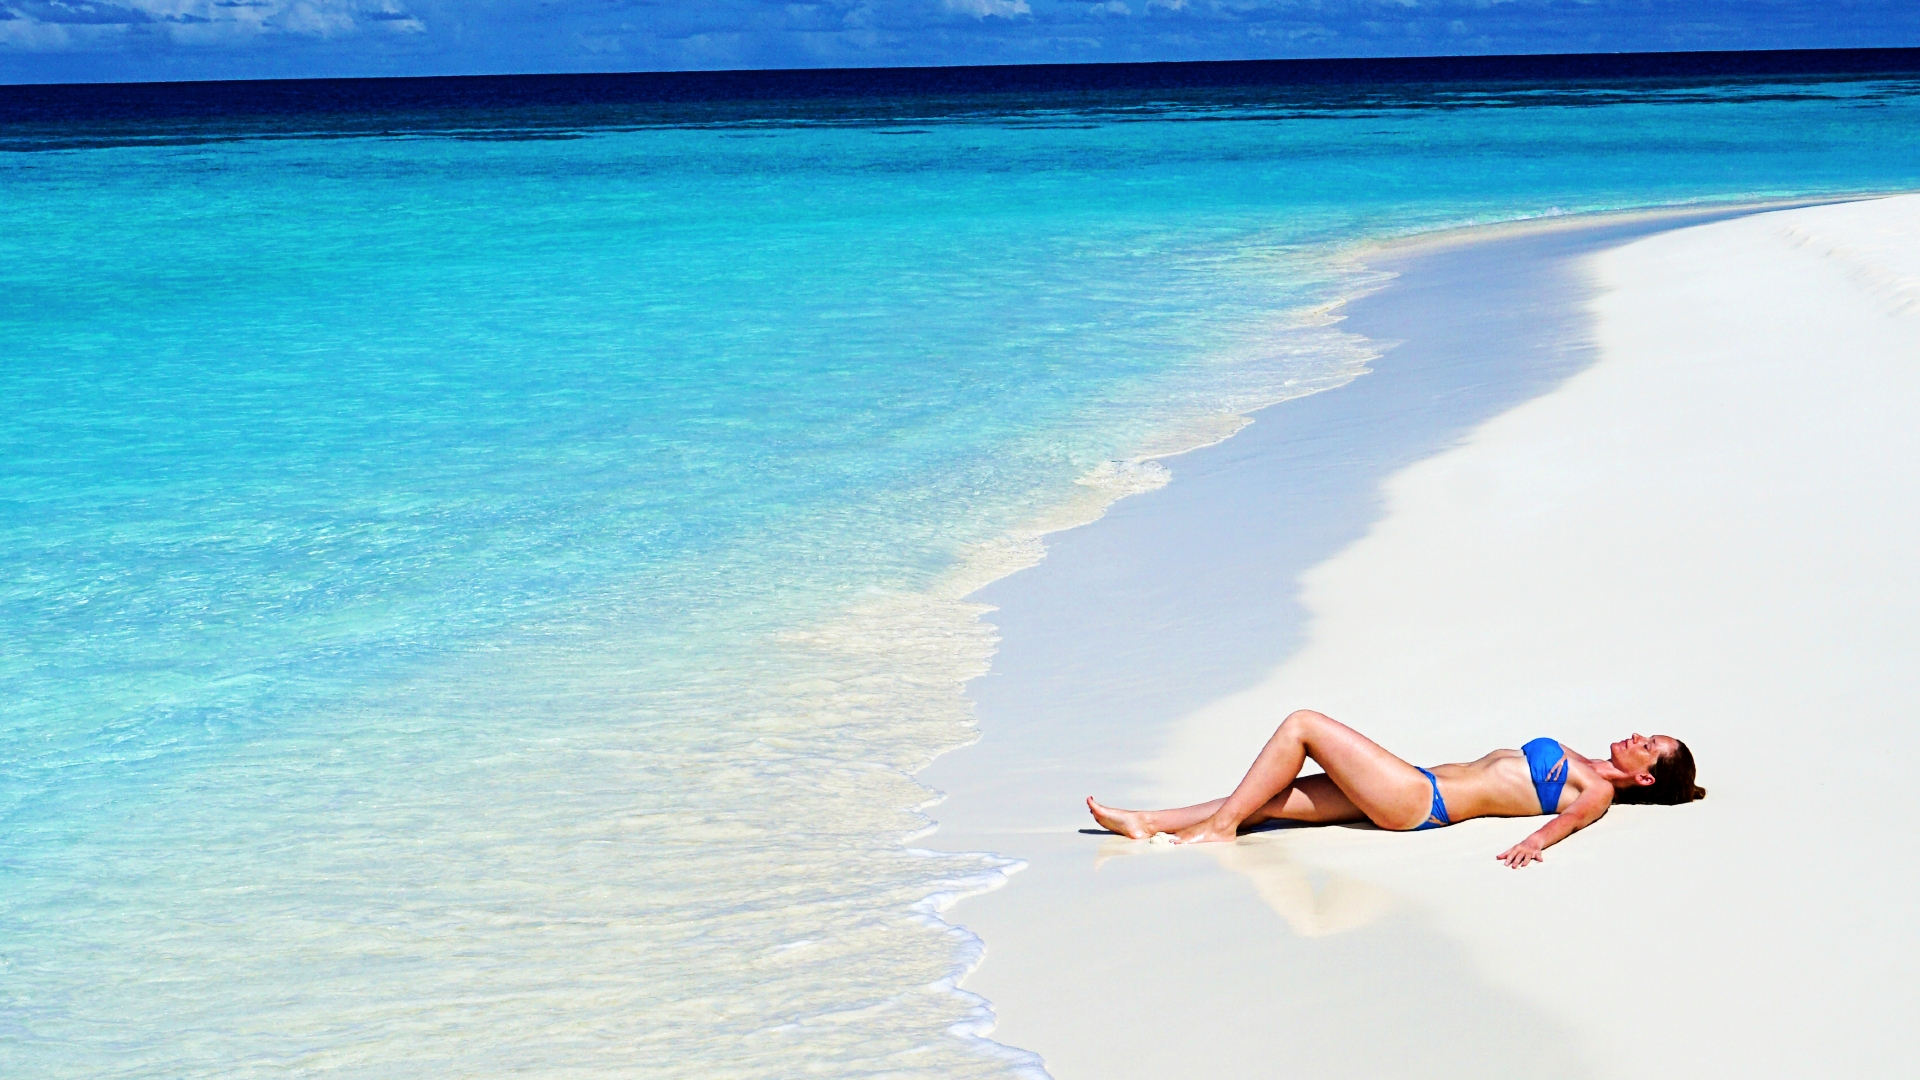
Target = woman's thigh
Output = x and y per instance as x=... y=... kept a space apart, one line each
x=1390 y=792
x=1313 y=799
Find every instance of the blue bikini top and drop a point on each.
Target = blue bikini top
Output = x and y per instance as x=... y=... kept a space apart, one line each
x=1548 y=763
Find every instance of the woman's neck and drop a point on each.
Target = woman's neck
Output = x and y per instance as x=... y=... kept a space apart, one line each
x=1610 y=772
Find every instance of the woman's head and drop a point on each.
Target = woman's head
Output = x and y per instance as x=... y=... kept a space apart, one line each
x=1659 y=769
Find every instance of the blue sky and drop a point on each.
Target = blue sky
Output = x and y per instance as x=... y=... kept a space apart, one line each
x=114 y=40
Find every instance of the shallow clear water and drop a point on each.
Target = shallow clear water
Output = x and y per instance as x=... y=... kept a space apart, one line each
x=475 y=606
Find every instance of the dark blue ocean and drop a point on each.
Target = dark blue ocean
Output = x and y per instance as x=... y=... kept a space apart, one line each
x=484 y=558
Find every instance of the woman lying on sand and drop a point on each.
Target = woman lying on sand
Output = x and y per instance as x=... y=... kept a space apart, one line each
x=1364 y=782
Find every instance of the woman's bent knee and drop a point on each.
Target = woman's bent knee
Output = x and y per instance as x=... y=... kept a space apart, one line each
x=1303 y=718
x=1299 y=722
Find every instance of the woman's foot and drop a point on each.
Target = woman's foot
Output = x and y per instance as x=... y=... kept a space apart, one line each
x=1209 y=831
x=1129 y=823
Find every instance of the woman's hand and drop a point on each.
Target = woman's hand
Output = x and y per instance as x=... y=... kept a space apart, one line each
x=1522 y=853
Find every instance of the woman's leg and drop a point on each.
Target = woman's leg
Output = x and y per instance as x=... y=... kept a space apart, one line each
x=1374 y=783
x=1141 y=824
x=1390 y=792
x=1314 y=799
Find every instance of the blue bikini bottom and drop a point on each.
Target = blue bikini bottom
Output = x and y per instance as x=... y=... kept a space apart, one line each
x=1438 y=815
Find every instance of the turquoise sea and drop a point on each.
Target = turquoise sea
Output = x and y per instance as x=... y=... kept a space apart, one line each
x=479 y=579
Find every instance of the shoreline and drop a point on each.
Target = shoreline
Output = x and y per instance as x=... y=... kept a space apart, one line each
x=1665 y=217
x=1164 y=605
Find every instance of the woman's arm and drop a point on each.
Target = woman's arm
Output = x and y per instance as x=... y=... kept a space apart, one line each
x=1588 y=808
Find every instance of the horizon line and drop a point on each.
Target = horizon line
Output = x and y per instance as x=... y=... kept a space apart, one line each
x=1408 y=59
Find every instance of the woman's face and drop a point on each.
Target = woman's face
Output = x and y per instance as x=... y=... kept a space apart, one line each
x=1636 y=753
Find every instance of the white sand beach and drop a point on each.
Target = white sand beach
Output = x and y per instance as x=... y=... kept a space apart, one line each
x=1650 y=475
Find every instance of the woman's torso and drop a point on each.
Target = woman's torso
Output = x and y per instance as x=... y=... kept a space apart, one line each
x=1501 y=784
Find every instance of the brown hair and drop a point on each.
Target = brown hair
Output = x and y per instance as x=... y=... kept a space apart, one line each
x=1672 y=781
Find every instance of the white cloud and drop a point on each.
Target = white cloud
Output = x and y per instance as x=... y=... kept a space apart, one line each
x=980 y=9
x=55 y=24
x=1111 y=7
x=30 y=36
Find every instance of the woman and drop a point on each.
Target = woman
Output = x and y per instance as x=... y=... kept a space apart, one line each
x=1364 y=782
